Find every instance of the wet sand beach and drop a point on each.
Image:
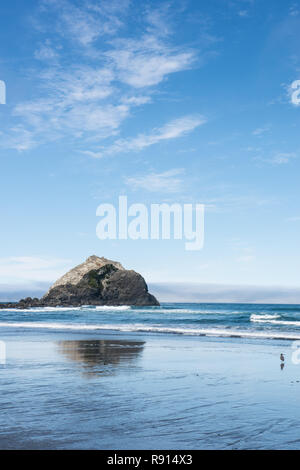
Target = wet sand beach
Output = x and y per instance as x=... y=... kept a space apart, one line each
x=114 y=390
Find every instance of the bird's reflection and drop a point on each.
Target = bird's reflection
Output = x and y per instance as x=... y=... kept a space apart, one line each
x=104 y=357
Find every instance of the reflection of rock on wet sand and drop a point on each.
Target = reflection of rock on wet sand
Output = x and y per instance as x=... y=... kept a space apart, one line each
x=101 y=356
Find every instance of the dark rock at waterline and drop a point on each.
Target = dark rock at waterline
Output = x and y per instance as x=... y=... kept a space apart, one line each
x=97 y=281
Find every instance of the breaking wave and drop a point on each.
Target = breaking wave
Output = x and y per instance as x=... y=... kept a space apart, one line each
x=112 y=308
x=212 y=332
x=262 y=318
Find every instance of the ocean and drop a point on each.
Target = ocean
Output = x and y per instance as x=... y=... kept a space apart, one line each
x=189 y=376
x=214 y=320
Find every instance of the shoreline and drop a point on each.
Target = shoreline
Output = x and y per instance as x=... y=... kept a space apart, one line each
x=153 y=331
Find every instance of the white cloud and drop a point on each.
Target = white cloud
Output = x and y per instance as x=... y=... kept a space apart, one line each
x=282 y=158
x=148 y=60
x=82 y=27
x=144 y=67
x=65 y=89
x=89 y=99
x=45 y=52
x=168 y=181
x=80 y=104
x=87 y=23
x=75 y=107
x=172 y=130
x=19 y=138
x=136 y=100
x=261 y=130
x=28 y=268
x=278 y=158
x=294 y=10
x=157 y=19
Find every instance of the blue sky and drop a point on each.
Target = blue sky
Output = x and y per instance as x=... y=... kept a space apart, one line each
x=182 y=101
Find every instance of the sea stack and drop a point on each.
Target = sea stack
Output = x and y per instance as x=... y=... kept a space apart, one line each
x=97 y=281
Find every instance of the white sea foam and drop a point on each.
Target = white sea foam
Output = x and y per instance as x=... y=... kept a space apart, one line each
x=112 y=308
x=276 y=322
x=167 y=310
x=213 y=332
x=258 y=318
x=41 y=309
x=65 y=309
x=104 y=308
x=180 y=311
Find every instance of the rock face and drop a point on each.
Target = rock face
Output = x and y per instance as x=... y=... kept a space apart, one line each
x=97 y=281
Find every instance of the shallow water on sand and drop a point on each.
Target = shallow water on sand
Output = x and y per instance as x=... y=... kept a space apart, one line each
x=117 y=390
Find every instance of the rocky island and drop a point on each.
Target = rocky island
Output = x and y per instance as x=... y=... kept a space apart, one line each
x=97 y=281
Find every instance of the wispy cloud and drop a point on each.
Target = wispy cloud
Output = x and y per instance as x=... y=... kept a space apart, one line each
x=87 y=23
x=282 y=158
x=261 y=130
x=77 y=105
x=172 y=130
x=31 y=268
x=242 y=8
x=277 y=158
x=169 y=181
x=147 y=63
x=19 y=138
x=107 y=66
x=46 y=52
x=294 y=10
x=243 y=13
